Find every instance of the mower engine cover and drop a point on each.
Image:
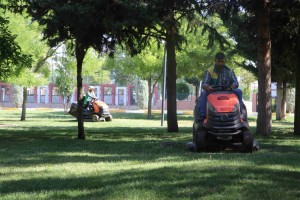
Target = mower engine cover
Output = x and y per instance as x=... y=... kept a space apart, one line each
x=220 y=102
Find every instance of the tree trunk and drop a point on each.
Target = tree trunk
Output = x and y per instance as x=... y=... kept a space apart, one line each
x=279 y=100
x=150 y=93
x=23 y=115
x=283 y=102
x=80 y=51
x=264 y=119
x=297 y=88
x=64 y=104
x=171 y=75
x=68 y=103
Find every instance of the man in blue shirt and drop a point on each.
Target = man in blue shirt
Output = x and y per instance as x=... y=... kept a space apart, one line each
x=219 y=74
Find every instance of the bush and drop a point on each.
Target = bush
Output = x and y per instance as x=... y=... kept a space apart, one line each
x=182 y=91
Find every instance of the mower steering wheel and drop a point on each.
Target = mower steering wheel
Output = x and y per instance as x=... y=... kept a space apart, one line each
x=222 y=88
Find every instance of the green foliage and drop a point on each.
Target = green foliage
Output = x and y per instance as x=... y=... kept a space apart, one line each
x=65 y=73
x=182 y=90
x=96 y=24
x=12 y=57
x=142 y=94
x=199 y=50
x=284 y=23
x=146 y=65
x=29 y=38
x=120 y=68
x=28 y=79
x=246 y=93
x=246 y=77
x=93 y=71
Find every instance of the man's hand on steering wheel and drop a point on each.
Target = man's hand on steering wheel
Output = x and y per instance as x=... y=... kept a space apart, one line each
x=209 y=88
x=232 y=87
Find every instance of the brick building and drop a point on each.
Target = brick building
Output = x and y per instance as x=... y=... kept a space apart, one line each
x=116 y=97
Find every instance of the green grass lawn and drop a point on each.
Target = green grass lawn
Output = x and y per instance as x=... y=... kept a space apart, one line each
x=42 y=158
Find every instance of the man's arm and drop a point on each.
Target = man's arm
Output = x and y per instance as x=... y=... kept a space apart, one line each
x=92 y=95
x=206 y=82
x=234 y=81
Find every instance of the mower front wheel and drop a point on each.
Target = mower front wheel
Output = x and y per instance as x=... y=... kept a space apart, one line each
x=247 y=142
x=109 y=118
x=200 y=140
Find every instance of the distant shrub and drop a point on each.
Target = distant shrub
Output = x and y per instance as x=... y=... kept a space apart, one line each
x=182 y=90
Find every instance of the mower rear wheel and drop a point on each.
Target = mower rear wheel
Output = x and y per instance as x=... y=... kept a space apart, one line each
x=247 y=145
x=95 y=118
x=200 y=140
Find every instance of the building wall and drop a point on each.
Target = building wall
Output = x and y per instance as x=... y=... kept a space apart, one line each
x=116 y=97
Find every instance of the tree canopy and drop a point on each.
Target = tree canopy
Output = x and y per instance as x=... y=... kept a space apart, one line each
x=12 y=57
x=96 y=24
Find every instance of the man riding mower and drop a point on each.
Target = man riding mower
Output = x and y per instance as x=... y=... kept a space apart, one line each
x=93 y=108
x=220 y=114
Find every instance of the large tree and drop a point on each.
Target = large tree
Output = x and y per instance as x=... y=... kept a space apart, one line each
x=146 y=65
x=101 y=24
x=96 y=24
x=284 y=23
x=264 y=118
x=297 y=101
x=255 y=27
x=29 y=37
x=296 y=14
x=168 y=14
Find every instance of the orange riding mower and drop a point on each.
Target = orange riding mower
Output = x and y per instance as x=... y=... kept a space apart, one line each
x=225 y=121
x=95 y=110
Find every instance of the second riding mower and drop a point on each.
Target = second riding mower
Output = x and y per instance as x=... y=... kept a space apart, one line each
x=225 y=123
x=95 y=110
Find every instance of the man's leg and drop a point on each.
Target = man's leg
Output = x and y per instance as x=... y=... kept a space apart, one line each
x=239 y=94
x=203 y=102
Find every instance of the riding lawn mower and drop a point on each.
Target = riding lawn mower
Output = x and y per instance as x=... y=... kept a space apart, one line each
x=225 y=122
x=95 y=110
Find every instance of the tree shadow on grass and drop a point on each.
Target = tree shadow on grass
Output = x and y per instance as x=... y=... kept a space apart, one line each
x=192 y=180
x=58 y=146
x=143 y=116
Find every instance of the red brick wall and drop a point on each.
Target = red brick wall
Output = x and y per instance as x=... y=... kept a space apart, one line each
x=181 y=105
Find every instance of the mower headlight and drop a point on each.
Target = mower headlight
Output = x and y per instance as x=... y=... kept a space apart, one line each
x=236 y=107
x=210 y=107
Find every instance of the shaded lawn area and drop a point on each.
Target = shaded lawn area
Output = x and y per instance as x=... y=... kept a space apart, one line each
x=125 y=159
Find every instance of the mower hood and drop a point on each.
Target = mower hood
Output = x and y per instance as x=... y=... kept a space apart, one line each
x=222 y=102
